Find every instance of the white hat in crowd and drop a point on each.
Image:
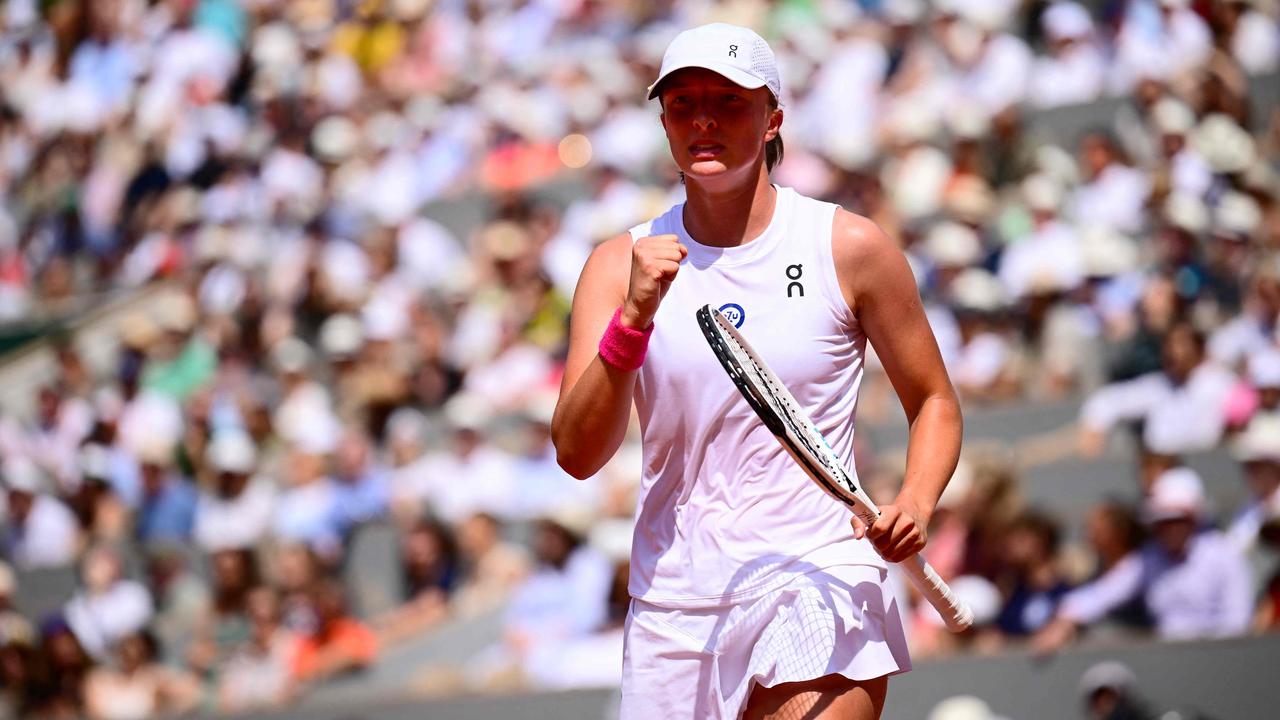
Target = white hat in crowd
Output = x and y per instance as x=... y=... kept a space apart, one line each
x=1260 y=441
x=1107 y=252
x=977 y=289
x=951 y=244
x=232 y=451
x=1186 y=212
x=1173 y=117
x=1176 y=494
x=1065 y=20
x=1237 y=215
x=22 y=475
x=963 y=707
x=737 y=53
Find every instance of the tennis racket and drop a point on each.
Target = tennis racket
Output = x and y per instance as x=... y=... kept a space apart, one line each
x=780 y=412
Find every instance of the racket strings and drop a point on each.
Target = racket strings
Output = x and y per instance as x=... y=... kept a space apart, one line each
x=790 y=414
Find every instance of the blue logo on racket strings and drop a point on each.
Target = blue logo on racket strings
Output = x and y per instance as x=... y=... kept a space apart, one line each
x=734 y=313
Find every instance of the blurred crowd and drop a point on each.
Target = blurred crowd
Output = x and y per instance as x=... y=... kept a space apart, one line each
x=324 y=346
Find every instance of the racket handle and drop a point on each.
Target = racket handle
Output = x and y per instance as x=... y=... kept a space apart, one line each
x=955 y=613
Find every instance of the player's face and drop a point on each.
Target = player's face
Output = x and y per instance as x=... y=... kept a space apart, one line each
x=716 y=129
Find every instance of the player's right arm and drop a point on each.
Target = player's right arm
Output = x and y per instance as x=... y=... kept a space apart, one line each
x=595 y=398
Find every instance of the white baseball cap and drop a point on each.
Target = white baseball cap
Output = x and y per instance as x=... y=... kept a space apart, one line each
x=1176 y=493
x=736 y=52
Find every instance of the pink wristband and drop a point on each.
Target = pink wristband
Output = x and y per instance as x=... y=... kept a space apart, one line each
x=623 y=347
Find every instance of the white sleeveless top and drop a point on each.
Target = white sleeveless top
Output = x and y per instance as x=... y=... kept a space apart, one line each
x=724 y=514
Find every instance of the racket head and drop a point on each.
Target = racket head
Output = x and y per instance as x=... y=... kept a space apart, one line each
x=778 y=409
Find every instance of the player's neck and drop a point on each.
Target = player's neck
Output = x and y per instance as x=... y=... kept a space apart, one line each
x=731 y=216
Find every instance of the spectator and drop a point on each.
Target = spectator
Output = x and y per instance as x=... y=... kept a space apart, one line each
x=225 y=626
x=67 y=665
x=308 y=511
x=566 y=595
x=108 y=606
x=339 y=644
x=40 y=531
x=167 y=509
x=1258 y=450
x=236 y=511
x=1195 y=582
x=14 y=628
x=182 y=601
x=429 y=565
x=138 y=687
x=259 y=673
x=493 y=567
x=1108 y=693
x=1190 y=391
x=362 y=482
x=1033 y=584
x=1074 y=70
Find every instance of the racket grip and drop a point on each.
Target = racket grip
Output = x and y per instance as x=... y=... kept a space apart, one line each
x=955 y=613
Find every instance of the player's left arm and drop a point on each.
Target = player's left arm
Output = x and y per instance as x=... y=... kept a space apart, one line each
x=880 y=289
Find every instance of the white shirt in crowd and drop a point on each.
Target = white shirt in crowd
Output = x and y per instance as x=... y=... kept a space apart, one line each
x=1148 y=46
x=1196 y=406
x=1048 y=258
x=982 y=360
x=48 y=539
x=238 y=522
x=98 y=621
x=1117 y=197
x=1207 y=594
x=457 y=487
x=1075 y=76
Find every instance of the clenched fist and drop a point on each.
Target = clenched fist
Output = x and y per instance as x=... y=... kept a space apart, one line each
x=655 y=260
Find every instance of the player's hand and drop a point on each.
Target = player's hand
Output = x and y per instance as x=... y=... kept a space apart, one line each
x=655 y=260
x=899 y=533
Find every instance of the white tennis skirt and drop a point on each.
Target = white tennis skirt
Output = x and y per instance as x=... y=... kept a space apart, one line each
x=703 y=663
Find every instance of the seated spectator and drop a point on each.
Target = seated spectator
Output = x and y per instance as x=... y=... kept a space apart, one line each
x=1189 y=388
x=566 y=596
x=1108 y=691
x=259 y=673
x=296 y=571
x=339 y=644
x=1195 y=582
x=1074 y=70
x=108 y=606
x=138 y=687
x=226 y=624
x=1033 y=583
x=308 y=511
x=25 y=684
x=236 y=511
x=360 y=479
x=493 y=568
x=1258 y=450
x=429 y=564
x=470 y=475
x=544 y=485
x=13 y=626
x=39 y=531
x=67 y=665
x=168 y=506
x=182 y=598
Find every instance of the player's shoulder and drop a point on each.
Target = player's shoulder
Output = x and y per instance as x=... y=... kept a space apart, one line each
x=857 y=241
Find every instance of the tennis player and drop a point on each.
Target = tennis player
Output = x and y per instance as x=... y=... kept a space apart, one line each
x=752 y=593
